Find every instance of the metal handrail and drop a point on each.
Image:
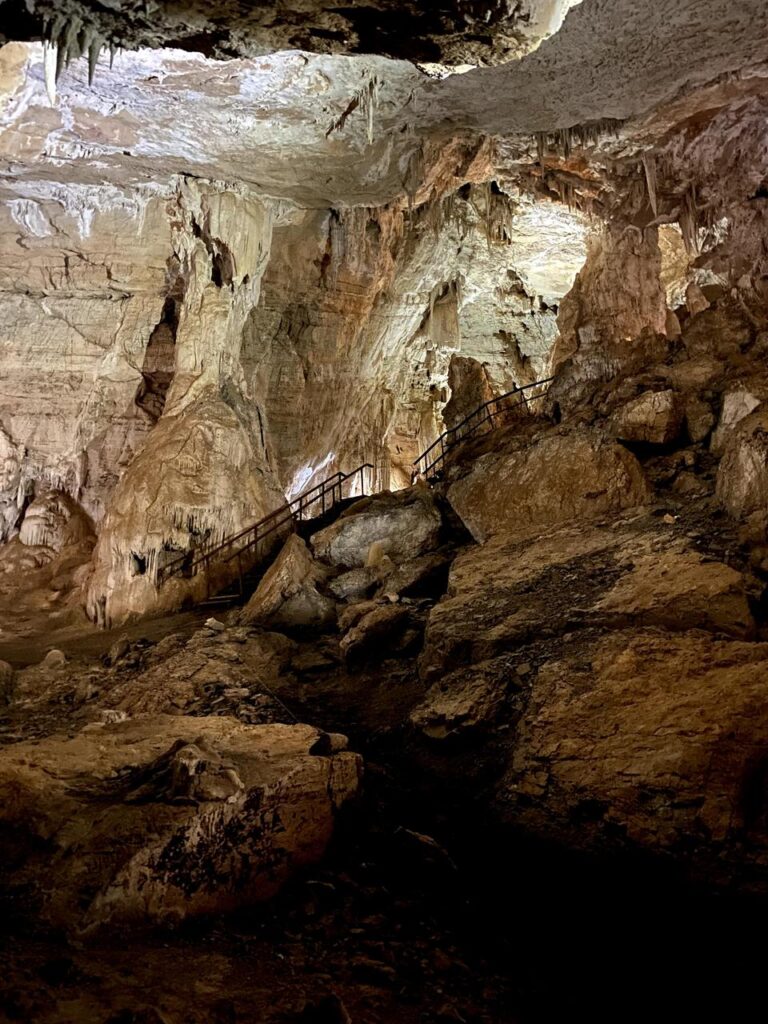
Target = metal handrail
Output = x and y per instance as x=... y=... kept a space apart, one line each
x=257 y=532
x=451 y=437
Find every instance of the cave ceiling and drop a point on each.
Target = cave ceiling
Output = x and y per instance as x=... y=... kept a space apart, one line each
x=325 y=129
x=450 y=32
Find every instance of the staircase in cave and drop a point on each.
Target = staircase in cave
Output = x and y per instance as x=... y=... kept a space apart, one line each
x=492 y=413
x=233 y=567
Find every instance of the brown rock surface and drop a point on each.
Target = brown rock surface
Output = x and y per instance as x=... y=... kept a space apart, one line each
x=653 y=418
x=287 y=596
x=507 y=592
x=647 y=738
x=156 y=820
x=560 y=477
x=742 y=477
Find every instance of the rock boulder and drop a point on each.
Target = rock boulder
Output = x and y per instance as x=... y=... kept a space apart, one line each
x=158 y=819
x=560 y=478
x=404 y=524
x=288 y=596
x=654 y=417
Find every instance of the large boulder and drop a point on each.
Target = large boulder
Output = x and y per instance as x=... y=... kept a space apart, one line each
x=654 y=417
x=163 y=818
x=507 y=593
x=402 y=525
x=376 y=632
x=560 y=478
x=650 y=740
x=288 y=596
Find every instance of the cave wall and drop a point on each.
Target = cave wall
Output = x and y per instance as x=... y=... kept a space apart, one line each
x=247 y=347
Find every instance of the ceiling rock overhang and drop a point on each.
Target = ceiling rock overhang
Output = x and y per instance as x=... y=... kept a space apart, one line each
x=447 y=32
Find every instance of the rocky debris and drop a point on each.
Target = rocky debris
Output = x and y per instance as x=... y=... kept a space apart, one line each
x=464 y=701
x=220 y=673
x=6 y=681
x=376 y=633
x=742 y=476
x=54 y=659
x=648 y=739
x=695 y=299
x=559 y=478
x=404 y=524
x=425 y=576
x=721 y=332
x=159 y=819
x=119 y=649
x=654 y=417
x=215 y=625
x=699 y=418
x=288 y=596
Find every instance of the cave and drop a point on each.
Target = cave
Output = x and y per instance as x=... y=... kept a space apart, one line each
x=383 y=511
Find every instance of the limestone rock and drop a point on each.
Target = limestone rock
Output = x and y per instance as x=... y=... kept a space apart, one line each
x=288 y=596
x=157 y=820
x=470 y=387
x=54 y=520
x=559 y=478
x=426 y=575
x=54 y=659
x=463 y=702
x=654 y=417
x=375 y=634
x=680 y=590
x=737 y=405
x=406 y=524
x=699 y=418
x=647 y=738
x=6 y=681
x=507 y=592
x=695 y=300
x=742 y=476
x=354 y=585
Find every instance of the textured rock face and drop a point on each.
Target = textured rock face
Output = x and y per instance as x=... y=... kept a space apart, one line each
x=558 y=478
x=742 y=477
x=641 y=717
x=193 y=815
x=615 y=297
x=400 y=526
x=212 y=480
x=653 y=418
x=504 y=593
x=288 y=595
x=470 y=388
x=54 y=521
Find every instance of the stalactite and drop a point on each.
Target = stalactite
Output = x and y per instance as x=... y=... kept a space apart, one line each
x=367 y=100
x=65 y=40
x=649 y=166
x=689 y=221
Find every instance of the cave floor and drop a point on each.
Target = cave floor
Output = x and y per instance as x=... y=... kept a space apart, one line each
x=421 y=911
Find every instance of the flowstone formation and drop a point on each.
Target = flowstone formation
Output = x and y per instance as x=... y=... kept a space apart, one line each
x=253 y=264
